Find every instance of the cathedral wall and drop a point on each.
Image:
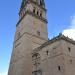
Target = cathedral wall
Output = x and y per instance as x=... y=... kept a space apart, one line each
x=69 y=65
x=52 y=62
x=58 y=58
x=52 y=48
x=69 y=56
x=50 y=66
x=68 y=48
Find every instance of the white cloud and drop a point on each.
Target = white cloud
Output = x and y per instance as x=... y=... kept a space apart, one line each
x=70 y=31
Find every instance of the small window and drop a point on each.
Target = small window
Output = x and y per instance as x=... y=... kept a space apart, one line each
x=69 y=49
x=41 y=14
x=59 y=68
x=47 y=52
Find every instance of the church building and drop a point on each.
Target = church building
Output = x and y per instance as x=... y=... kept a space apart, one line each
x=33 y=53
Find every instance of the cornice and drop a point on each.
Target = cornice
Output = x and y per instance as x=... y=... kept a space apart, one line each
x=31 y=35
x=34 y=15
x=57 y=38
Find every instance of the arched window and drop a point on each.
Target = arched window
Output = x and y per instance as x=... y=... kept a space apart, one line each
x=37 y=12
x=40 y=2
x=40 y=13
x=34 y=10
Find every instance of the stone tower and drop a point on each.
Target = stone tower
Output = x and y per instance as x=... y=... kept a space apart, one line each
x=31 y=32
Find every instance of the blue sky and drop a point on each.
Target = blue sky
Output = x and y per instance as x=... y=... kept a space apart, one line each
x=60 y=16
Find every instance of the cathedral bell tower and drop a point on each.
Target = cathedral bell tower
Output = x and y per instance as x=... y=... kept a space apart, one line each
x=31 y=32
